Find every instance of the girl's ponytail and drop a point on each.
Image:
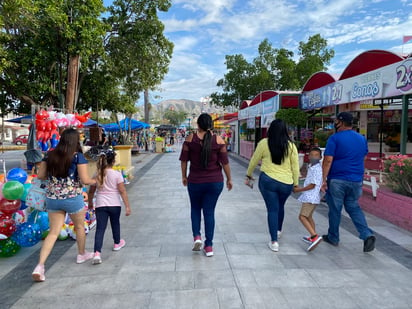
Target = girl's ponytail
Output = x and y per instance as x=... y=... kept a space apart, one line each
x=101 y=167
x=106 y=159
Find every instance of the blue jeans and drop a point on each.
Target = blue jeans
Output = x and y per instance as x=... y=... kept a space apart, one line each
x=345 y=193
x=102 y=216
x=275 y=194
x=204 y=196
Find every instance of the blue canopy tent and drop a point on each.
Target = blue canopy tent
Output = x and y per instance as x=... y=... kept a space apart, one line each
x=90 y=123
x=111 y=127
x=124 y=125
x=134 y=124
x=23 y=119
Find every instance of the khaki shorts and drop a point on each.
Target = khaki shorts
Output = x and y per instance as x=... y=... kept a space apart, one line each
x=307 y=209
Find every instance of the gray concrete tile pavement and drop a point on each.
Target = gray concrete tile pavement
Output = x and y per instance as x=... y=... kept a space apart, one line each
x=157 y=268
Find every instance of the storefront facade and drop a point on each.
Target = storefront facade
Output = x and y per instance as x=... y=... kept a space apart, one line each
x=376 y=88
x=255 y=117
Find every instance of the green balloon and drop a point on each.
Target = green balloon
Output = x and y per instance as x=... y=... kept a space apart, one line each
x=26 y=188
x=44 y=234
x=8 y=248
x=13 y=190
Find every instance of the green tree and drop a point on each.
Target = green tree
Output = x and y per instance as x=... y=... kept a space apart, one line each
x=137 y=35
x=174 y=117
x=314 y=56
x=52 y=48
x=272 y=69
x=292 y=116
x=39 y=37
x=236 y=82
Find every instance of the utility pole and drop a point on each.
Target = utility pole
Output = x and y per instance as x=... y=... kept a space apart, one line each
x=146 y=106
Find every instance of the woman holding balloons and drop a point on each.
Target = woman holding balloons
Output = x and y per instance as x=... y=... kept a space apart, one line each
x=65 y=168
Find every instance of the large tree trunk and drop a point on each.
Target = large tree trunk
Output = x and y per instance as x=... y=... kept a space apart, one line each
x=72 y=79
x=146 y=106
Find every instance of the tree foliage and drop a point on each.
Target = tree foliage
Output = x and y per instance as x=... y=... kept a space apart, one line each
x=137 y=37
x=292 y=116
x=39 y=36
x=272 y=69
x=121 y=52
x=174 y=117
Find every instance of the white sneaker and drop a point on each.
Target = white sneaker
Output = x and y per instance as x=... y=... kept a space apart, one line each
x=197 y=244
x=96 y=258
x=279 y=234
x=81 y=258
x=274 y=246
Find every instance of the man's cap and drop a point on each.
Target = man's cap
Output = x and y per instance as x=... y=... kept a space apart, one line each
x=345 y=117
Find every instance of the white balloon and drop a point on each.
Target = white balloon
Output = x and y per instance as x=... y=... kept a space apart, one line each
x=52 y=115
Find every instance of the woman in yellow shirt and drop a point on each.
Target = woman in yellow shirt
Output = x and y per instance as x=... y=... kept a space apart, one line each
x=279 y=174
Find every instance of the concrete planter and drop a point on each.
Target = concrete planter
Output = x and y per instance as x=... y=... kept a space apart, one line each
x=160 y=146
x=124 y=158
x=389 y=206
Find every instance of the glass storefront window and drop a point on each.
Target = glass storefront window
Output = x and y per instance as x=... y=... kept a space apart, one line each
x=391 y=127
x=246 y=134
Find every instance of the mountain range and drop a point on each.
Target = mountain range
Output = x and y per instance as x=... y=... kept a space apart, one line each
x=188 y=106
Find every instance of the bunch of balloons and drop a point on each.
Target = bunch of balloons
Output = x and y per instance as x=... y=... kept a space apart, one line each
x=14 y=232
x=48 y=122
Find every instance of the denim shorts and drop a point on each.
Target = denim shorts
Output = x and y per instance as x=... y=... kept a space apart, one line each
x=70 y=205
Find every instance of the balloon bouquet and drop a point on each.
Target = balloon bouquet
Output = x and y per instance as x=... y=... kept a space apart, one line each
x=14 y=232
x=49 y=122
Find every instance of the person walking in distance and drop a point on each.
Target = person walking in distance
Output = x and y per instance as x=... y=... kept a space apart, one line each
x=207 y=155
x=110 y=187
x=279 y=174
x=343 y=170
x=65 y=168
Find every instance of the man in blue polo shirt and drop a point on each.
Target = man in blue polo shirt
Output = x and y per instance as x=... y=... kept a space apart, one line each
x=343 y=169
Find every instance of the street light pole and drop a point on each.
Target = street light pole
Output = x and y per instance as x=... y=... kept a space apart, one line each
x=189 y=123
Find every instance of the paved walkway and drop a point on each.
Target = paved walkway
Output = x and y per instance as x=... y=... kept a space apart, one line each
x=157 y=268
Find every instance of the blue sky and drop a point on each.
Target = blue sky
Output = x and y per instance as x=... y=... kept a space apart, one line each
x=204 y=31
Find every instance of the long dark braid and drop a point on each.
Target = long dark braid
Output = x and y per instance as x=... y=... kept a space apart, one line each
x=205 y=123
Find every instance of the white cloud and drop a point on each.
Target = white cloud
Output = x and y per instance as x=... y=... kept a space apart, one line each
x=190 y=77
x=174 y=25
x=205 y=28
x=381 y=29
x=185 y=43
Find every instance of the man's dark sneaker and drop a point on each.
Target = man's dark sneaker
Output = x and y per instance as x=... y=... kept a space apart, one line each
x=369 y=244
x=326 y=239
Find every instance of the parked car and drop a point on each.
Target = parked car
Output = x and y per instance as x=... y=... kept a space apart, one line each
x=21 y=139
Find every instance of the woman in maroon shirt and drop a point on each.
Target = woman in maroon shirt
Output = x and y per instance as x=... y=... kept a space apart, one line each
x=207 y=155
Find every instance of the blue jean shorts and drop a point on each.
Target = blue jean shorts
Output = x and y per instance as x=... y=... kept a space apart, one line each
x=70 y=205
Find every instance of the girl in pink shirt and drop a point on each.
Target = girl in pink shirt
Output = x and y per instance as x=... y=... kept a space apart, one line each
x=109 y=188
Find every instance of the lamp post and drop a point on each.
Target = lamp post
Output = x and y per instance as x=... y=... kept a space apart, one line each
x=189 y=119
x=193 y=116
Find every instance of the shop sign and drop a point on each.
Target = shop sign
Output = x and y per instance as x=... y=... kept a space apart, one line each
x=266 y=120
x=254 y=110
x=388 y=81
x=269 y=109
x=270 y=106
x=368 y=105
x=251 y=123
x=243 y=113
